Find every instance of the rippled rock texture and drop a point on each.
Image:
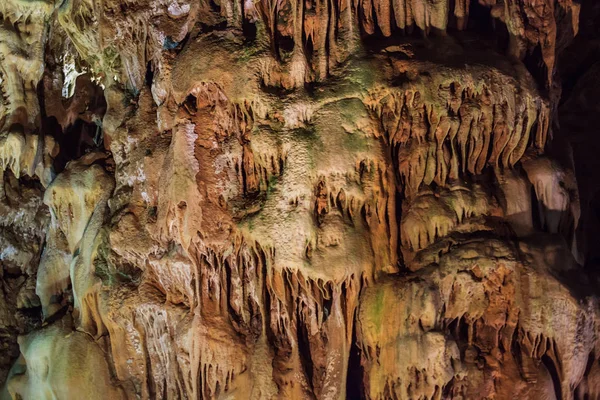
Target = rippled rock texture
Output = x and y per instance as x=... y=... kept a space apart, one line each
x=287 y=199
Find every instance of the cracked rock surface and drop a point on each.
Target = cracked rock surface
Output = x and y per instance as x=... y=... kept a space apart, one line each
x=285 y=199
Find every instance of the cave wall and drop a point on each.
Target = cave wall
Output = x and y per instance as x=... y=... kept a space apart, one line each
x=314 y=199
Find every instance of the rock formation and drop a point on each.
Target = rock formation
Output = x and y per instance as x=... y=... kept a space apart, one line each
x=364 y=199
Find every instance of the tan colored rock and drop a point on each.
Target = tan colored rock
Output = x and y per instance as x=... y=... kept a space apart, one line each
x=56 y=362
x=291 y=200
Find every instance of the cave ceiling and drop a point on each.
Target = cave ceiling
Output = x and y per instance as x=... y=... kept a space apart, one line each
x=299 y=199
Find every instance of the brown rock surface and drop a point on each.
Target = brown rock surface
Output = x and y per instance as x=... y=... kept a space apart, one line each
x=299 y=199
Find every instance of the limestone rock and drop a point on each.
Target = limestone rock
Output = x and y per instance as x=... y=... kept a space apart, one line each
x=299 y=199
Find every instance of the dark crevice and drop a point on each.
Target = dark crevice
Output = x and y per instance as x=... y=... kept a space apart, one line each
x=205 y=28
x=149 y=74
x=77 y=140
x=308 y=48
x=285 y=46
x=549 y=364
x=304 y=349
x=535 y=211
x=327 y=303
x=534 y=63
x=480 y=20
x=191 y=104
x=249 y=31
x=354 y=382
x=214 y=6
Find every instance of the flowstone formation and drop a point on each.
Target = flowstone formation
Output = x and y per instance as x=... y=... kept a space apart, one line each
x=262 y=199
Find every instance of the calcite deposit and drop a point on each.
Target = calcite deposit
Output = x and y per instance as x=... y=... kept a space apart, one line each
x=285 y=199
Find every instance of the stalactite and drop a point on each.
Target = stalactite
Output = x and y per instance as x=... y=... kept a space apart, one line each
x=299 y=199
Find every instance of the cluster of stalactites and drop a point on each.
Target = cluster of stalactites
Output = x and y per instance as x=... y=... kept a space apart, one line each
x=307 y=38
x=314 y=36
x=30 y=155
x=476 y=312
x=469 y=130
x=234 y=293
